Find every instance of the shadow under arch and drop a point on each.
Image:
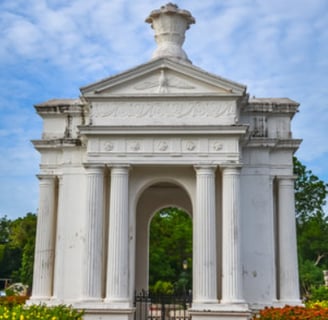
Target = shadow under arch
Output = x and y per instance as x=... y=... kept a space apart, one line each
x=154 y=198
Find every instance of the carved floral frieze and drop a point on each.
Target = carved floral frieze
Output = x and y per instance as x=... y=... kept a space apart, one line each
x=170 y=112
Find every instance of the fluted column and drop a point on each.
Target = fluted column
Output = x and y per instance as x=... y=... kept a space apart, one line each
x=232 y=291
x=45 y=239
x=118 y=245
x=288 y=266
x=204 y=238
x=92 y=264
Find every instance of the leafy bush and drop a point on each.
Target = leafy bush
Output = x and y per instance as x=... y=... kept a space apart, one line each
x=314 y=304
x=293 y=313
x=319 y=294
x=162 y=287
x=22 y=312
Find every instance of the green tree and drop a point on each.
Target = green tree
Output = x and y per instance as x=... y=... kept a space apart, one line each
x=22 y=236
x=310 y=192
x=17 y=241
x=170 y=245
x=312 y=226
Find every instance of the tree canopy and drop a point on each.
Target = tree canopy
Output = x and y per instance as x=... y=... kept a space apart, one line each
x=170 y=245
x=312 y=226
x=17 y=242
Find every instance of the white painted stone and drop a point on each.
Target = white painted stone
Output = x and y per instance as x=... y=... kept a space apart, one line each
x=288 y=279
x=204 y=235
x=232 y=288
x=117 y=292
x=170 y=24
x=45 y=239
x=149 y=138
x=94 y=247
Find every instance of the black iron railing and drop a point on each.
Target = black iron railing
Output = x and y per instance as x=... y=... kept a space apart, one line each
x=162 y=307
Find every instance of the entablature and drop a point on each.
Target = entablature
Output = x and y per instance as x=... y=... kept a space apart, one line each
x=91 y=130
x=274 y=144
x=271 y=105
x=56 y=143
x=55 y=107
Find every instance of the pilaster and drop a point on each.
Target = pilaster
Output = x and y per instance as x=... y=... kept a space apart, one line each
x=45 y=239
x=204 y=239
x=288 y=266
x=232 y=290
x=59 y=250
x=94 y=247
x=117 y=293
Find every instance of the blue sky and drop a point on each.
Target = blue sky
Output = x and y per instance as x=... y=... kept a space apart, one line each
x=51 y=48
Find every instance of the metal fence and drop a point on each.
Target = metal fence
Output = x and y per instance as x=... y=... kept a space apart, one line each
x=162 y=307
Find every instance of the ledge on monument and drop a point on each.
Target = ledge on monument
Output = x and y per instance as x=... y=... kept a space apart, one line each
x=50 y=143
x=60 y=102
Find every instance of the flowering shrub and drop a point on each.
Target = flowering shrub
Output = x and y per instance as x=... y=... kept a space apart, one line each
x=314 y=304
x=293 y=313
x=42 y=312
x=11 y=301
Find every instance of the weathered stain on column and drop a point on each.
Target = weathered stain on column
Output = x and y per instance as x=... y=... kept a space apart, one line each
x=204 y=238
x=288 y=276
x=45 y=239
x=118 y=245
x=232 y=291
x=92 y=272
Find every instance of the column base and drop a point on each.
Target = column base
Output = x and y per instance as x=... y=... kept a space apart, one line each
x=231 y=311
x=34 y=300
x=282 y=303
x=104 y=313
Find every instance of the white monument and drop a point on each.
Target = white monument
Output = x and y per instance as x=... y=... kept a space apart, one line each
x=161 y=134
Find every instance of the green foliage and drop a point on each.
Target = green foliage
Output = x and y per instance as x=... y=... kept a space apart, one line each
x=320 y=294
x=4 y=230
x=310 y=276
x=310 y=192
x=312 y=227
x=162 y=287
x=17 y=241
x=313 y=238
x=21 y=312
x=170 y=244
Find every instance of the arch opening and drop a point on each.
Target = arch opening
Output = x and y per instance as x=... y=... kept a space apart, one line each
x=164 y=225
x=170 y=251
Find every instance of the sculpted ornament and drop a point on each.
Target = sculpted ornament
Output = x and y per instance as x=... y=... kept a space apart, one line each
x=163 y=146
x=217 y=146
x=165 y=110
x=163 y=84
x=135 y=146
x=190 y=146
x=109 y=146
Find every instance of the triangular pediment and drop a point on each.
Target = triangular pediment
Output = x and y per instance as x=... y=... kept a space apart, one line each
x=163 y=77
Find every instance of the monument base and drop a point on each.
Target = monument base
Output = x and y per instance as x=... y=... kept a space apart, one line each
x=108 y=314
x=221 y=315
x=221 y=312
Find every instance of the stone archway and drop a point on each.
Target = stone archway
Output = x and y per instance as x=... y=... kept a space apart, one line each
x=155 y=197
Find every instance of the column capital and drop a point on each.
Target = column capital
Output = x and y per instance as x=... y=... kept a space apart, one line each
x=118 y=165
x=231 y=169
x=205 y=168
x=226 y=166
x=119 y=168
x=88 y=165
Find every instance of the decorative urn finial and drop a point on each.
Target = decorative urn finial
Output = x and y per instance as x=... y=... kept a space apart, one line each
x=170 y=24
